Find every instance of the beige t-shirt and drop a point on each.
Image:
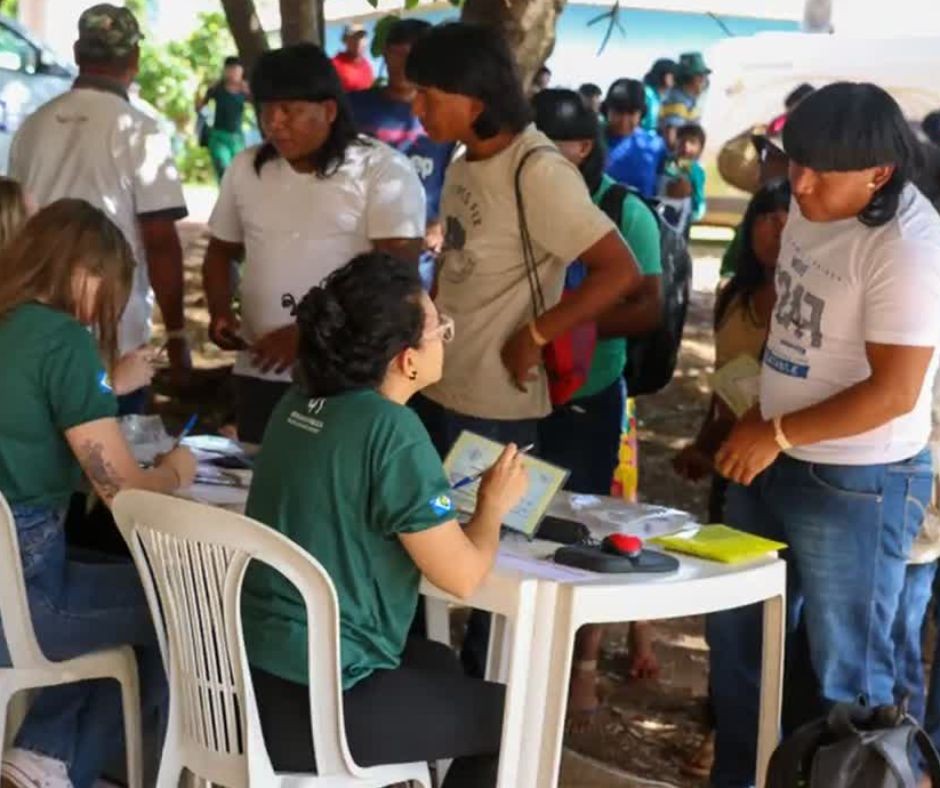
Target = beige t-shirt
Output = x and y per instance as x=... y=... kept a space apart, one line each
x=482 y=283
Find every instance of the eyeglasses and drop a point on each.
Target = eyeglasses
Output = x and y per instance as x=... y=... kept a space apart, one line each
x=444 y=330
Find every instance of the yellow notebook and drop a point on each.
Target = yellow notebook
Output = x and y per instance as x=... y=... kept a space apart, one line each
x=719 y=543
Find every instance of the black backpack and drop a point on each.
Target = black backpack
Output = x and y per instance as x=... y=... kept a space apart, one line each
x=652 y=358
x=855 y=747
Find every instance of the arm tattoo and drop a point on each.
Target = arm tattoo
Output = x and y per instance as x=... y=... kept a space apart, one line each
x=102 y=474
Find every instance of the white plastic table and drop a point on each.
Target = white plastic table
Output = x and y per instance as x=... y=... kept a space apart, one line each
x=538 y=607
x=566 y=599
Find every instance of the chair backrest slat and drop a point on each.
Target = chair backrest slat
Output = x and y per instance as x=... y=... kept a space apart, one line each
x=18 y=629
x=193 y=561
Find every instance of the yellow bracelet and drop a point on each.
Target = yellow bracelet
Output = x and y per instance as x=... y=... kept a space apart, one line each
x=537 y=336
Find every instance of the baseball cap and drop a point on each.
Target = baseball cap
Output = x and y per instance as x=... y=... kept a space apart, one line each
x=354 y=29
x=107 y=31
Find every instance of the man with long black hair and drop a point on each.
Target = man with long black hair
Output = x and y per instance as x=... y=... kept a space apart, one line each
x=494 y=380
x=835 y=461
x=297 y=207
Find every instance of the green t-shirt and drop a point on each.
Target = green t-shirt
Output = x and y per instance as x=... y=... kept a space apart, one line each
x=342 y=477
x=639 y=228
x=229 y=109
x=53 y=380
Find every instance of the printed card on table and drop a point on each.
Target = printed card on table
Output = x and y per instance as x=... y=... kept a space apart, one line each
x=473 y=453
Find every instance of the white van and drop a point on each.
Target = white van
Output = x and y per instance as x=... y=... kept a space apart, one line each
x=30 y=75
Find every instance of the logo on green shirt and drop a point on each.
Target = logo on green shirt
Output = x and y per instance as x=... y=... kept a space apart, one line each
x=104 y=383
x=441 y=505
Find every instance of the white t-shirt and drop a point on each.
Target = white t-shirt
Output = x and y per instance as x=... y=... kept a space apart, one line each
x=297 y=228
x=482 y=282
x=92 y=144
x=839 y=286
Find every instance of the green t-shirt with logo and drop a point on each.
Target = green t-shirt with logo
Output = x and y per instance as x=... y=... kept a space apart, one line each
x=53 y=380
x=639 y=228
x=342 y=477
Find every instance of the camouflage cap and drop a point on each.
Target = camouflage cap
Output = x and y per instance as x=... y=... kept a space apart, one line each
x=107 y=31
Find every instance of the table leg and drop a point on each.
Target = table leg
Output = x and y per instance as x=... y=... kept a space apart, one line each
x=554 y=699
x=771 y=699
x=497 y=653
x=437 y=619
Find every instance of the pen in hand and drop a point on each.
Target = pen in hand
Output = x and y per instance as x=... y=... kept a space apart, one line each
x=468 y=480
x=187 y=428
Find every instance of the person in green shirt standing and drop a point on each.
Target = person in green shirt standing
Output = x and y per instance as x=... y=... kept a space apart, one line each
x=584 y=435
x=64 y=281
x=226 y=139
x=348 y=472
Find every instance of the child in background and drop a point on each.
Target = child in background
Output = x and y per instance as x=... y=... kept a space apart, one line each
x=685 y=177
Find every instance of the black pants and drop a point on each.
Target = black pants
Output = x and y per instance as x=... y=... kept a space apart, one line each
x=424 y=710
x=255 y=400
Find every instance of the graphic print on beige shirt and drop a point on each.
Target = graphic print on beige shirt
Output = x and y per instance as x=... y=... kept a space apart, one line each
x=482 y=280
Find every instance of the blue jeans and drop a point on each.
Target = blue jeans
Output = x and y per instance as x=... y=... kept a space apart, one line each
x=932 y=715
x=908 y=637
x=584 y=436
x=849 y=530
x=77 y=608
x=444 y=426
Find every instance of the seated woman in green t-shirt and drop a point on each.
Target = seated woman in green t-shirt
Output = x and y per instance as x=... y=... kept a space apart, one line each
x=64 y=280
x=348 y=472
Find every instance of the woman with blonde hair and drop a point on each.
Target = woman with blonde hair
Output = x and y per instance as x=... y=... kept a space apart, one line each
x=64 y=280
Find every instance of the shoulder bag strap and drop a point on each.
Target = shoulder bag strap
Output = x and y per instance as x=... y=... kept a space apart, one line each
x=528 y=251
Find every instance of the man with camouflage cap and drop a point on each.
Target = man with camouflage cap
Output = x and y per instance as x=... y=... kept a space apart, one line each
x=91 y=143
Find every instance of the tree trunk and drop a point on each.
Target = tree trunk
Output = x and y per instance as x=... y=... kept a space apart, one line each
x=529 y=27
x=302 y=20
x=249 y=36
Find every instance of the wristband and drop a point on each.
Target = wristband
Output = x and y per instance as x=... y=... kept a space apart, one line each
x=779 y=436
x=177 y=333
x=537 y=336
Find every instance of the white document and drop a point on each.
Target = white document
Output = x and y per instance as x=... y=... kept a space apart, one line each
x=473 y=454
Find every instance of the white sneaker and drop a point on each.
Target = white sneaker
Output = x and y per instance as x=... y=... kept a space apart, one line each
x=26 y=769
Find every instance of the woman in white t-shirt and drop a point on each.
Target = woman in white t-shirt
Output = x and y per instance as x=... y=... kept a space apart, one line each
x=835 y=463
x=296 y=208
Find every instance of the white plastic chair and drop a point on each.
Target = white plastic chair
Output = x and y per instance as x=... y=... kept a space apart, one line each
x=30 y=668
x=192 y=559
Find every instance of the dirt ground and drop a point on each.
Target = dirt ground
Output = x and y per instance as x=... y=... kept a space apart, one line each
x=645 y=728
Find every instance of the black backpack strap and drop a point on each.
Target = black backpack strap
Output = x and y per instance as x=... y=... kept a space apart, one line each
x=528 y=251
x=790 y=760
x=612 y=203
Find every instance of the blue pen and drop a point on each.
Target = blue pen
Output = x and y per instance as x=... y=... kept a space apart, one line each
x=187 y=428
x=467 y=480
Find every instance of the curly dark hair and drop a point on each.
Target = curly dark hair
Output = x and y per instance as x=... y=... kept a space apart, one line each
x=355 y=322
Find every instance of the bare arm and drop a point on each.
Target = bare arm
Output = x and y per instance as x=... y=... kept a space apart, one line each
x=612 y=275
x=892 y=390
x=639 y=314
x=217 y=275
x=165 y=266
x=457 y=559
x=110 y=466
x=407 y=250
